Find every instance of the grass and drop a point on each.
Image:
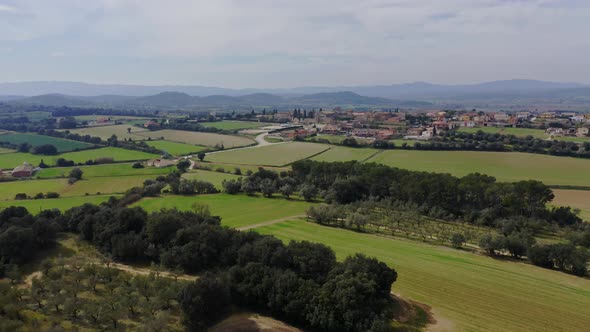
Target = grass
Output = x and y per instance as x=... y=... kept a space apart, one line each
x=400 y=142
x=174 y=148
x=339 y=153
x=10 y=160
x=578 y=199
x=62 y=145
x=505 y=166
x=105 y=170
x=197 y=138
x=5 y=150
x=105 y=185
x=215 y=178
x=520 y=132
x=64 y=203
x=105 y=132
x=272 y=155
x=235 y=210
x=523 y=132
x=31 y=187
x=468 y=292
x=234 y=125
x=231 y=167
x=112 y=117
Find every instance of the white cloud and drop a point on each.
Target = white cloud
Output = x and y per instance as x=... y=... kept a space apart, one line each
x=340 y=41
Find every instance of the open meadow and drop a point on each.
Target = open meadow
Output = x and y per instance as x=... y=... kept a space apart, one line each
x=234 y=125
x=216 y=178
x=467 y=292
x=272 y=155
x=175 y=148
x=232 y=167
x=577 y=199
x=505 y=166
x=341 y=153
x=5 y=150
x=35 y=206
x=105 y=185
x=523 y=132
x=11 y=160
x=31 y=187
x=105 y=132
x=104 y=170
x=235 y=210
x=197 y=138
x=62 y=145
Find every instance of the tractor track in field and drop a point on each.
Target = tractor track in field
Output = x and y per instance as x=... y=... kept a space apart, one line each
x=270 y=222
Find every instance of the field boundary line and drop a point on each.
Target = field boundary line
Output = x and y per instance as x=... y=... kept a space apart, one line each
x=312 y=156
x=270 y=222
x=371 y=156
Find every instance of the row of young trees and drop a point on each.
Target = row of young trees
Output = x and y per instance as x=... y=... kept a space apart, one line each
x=473 y=198
x=377 y=196
x=91 y=296
x=480 y=141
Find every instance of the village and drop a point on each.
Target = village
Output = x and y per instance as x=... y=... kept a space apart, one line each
x=422 y=125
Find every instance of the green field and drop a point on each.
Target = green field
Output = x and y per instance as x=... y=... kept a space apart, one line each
x=232 y=167
x=10 y=160
x=105 y=185
x=214 y=177
x=31 y=187
x=520 y=132
x=197 y=138
x=467 y=292
x=339 y=153
x=174 y=148
x=234 y=125
x=523 y=132
x=272 y=155
x=235 y=210
x=577 y=199
x=108 y=170
x=5 y=150
x=505 y=166
x=105 y=132
x=400 y=142
x=112 y=117
x=62 y=145
x=36 y=205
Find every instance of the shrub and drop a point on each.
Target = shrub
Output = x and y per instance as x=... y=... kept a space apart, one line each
x=20 y=196
x=457 y=240
x=137 y=165
x=52 y=194
x=39 y=196
x=232 y=186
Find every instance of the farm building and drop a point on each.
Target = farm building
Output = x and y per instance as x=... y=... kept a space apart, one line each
x=24 y=170
x=161 y=162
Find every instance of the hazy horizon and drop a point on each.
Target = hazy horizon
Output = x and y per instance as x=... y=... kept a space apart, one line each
x=283 y=44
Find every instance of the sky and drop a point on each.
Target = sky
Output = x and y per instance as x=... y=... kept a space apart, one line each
x=280 y=43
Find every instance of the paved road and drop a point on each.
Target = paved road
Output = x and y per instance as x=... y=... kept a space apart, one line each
x=259 y=139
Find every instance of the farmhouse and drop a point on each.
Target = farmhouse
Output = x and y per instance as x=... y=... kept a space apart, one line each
x=582 y=132
x=160 y=162
x=24 y=170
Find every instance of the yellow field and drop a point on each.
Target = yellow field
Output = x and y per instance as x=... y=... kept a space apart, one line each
x=105 y=132
x=197 y=138
x=578 y=199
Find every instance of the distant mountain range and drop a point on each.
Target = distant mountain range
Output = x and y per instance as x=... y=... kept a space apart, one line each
x=179 y=100
x=418 y=94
